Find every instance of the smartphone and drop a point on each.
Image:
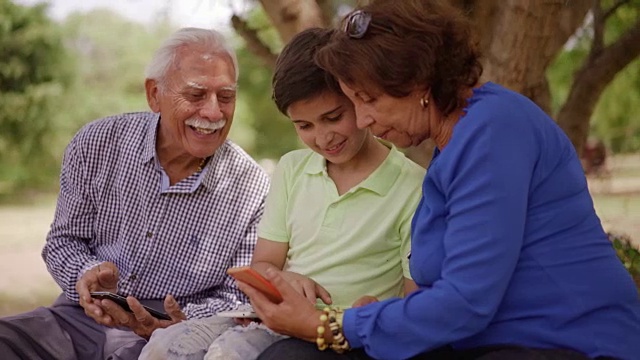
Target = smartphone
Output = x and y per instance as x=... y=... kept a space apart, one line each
x=250 y=276
x=238 y=314
x=122 y=302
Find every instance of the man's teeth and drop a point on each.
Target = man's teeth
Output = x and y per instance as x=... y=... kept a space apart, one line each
x=205 y=127
x=203 y=130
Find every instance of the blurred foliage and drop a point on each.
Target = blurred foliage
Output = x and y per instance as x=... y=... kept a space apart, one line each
x=628 y=254
x=56 y=77
x=616 y=119
x=273 y=133
x=111 y=54
x=35 y=72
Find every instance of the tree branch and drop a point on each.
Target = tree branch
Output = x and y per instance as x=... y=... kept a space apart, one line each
x=327 y=11
x=598 y=27
x=591 y=79
x=614 y=8
x=289 y=17
x=254 y=44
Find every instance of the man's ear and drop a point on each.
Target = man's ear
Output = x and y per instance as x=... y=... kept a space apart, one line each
x=153 y=94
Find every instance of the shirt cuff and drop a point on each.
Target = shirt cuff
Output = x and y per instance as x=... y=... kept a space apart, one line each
x=349 y=328
x=90 y=265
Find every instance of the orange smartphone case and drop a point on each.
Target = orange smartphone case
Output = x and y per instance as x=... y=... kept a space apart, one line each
x=250 y=276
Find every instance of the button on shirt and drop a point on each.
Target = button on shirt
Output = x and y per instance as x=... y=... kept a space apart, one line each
x=115 y=205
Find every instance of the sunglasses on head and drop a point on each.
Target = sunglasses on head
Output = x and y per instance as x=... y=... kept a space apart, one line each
x=357 y=23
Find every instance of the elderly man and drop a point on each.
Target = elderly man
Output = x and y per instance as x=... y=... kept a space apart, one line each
x=154 y=206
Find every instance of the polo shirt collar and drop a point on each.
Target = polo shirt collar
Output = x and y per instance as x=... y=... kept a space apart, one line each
x=316 y=165
x=379 y=181
x=382 y=179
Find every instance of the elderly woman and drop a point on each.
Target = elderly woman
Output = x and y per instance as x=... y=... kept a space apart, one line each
x=509 y=255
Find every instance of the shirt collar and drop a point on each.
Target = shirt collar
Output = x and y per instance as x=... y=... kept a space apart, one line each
x=214 y=167
x=316 y=165
x=208 y=177
x=149 y=151
x=379 y=181
x=382 y=179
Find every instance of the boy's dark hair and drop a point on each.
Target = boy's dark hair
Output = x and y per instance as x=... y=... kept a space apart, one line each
x=296 y=76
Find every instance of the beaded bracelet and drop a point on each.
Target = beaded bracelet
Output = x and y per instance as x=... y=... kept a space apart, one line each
x=320 y=339
x=339 y=343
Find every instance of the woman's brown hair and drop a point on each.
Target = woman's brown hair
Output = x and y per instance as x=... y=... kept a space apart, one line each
x=409 y=44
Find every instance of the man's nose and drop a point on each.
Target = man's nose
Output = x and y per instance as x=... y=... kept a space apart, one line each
x=211 y=109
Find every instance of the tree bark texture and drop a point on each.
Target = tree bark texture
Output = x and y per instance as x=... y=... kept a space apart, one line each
x=520 y=38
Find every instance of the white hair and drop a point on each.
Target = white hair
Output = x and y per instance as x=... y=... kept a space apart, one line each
x=165 y=57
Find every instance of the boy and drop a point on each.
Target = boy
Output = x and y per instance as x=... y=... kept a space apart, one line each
x=324 y=225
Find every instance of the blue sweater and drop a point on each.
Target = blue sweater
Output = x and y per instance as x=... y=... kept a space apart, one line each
x=506 y=248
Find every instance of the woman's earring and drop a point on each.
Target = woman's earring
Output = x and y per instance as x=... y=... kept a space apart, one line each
x=424 y=103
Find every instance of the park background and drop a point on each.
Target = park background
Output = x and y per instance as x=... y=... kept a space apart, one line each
x=67 y=62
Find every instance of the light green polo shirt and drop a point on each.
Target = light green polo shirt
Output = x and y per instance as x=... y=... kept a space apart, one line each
x=355 y=244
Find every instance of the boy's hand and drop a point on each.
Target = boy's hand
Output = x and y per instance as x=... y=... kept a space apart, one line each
x=364 y=301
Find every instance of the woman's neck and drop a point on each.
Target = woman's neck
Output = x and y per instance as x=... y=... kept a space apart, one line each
x=444 y=131
x=446 y=124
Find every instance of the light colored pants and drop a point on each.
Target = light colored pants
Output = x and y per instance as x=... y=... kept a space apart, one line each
x=242 y=343
x=187 y=340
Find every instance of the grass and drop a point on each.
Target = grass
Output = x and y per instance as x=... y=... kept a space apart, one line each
x=620 y=214
x=15 y=304
x=25 y=283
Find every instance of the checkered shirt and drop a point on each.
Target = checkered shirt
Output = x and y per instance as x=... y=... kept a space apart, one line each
x=179 y=240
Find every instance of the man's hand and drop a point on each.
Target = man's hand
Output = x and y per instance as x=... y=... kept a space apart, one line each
x=141 y=322
x=103 y=277
x=307 y=287
x=245 y=321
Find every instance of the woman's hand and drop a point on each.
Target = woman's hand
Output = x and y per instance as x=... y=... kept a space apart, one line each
x=307 y=287
x=294 y=316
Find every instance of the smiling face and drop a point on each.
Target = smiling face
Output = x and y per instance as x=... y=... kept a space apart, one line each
x=326 y=124
x=196 y=103
x=401 y=121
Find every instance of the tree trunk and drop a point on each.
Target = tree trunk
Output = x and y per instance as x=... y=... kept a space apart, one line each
x=290 y=17
x=520 y=38
x=505 y=27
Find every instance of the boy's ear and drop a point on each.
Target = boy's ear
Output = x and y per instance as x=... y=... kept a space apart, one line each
x=153 y=94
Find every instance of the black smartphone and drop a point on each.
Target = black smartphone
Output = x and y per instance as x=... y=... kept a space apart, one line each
x=122 y=302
